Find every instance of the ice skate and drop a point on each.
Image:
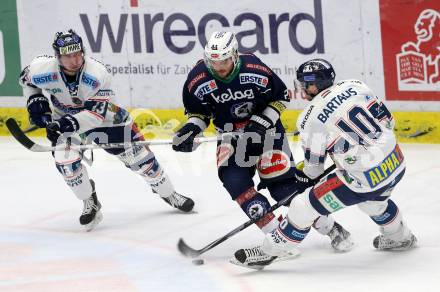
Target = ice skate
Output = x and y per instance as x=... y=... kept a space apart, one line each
x=180 y=202
x=91 y=215
x=403 y=239
x=255 y=258
x=341 y=240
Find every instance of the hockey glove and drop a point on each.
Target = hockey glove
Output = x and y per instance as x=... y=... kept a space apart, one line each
x=39 y=110
x=258 y=124
x=183 y=140
x=67 y=124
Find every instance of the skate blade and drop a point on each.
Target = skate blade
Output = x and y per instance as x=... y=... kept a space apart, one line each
x=255 y=266
x=98 y=218
x=234 y=261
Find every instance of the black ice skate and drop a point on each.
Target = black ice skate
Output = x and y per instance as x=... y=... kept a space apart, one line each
x=381 y=242
x=91 y=215
x=180 y=202
x=341 y=238
x=255 y=258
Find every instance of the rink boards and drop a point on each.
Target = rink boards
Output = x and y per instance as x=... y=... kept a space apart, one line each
x=411 y=127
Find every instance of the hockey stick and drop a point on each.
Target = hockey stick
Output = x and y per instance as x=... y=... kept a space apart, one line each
x=188 y=251
x=30 y=129
x=24 y=140
x=20 y=136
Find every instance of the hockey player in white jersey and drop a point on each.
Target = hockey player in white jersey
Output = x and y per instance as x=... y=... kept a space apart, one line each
x=347 y=122
x=82 y=99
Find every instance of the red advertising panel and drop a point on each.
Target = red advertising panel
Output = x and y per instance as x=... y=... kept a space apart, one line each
x=411 y=49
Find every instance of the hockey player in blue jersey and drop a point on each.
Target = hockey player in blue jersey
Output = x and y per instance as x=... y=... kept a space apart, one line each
x=348 y=123
x=82 y=102
x=240 y=94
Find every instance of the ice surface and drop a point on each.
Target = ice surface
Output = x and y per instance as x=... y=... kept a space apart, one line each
x=43 y=247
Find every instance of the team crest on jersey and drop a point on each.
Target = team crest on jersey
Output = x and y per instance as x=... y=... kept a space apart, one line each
x=260 y=80
x=90 y=81
x=242 y=110
x=205 y=88
x=45 y=78
x=273 y=163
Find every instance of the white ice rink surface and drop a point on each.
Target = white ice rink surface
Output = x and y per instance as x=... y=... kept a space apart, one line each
x=43 y=248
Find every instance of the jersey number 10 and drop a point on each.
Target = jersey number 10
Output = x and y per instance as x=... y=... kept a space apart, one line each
x=361 y=125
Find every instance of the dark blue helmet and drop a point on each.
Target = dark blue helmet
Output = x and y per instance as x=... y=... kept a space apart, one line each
x=67 y=42
x=316 y=71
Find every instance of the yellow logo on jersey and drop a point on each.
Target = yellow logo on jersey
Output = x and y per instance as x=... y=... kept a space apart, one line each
x=379 y=173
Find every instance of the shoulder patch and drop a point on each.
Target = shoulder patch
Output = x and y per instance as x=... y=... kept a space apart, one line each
x=195 y=79
x=258 y=67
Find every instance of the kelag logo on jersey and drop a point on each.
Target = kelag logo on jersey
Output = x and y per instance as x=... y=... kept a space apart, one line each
x=260 y=80
x=45 y=78
x=90 y=81
x=236 y=95
x=205 y=88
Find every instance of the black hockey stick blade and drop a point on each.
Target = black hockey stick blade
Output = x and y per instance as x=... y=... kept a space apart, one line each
x=188 y=251
x=18 y=134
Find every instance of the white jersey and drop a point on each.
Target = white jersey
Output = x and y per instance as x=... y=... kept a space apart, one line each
x=348 y=122
x=89 y=98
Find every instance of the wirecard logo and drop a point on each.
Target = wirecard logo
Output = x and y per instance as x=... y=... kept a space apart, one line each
x=260 y=80
x=140 y=30
x=205 y=88
x=236 y=95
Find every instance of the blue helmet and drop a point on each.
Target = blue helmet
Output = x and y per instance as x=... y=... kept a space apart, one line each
x=67 y=42
x=316 y=71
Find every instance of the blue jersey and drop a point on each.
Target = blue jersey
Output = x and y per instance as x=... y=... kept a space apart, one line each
x=251 y=88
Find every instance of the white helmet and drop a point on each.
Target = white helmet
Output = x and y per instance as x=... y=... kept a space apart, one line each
x=221 y=46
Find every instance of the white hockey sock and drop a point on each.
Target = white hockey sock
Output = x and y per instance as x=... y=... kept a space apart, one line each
x=74 y=173
x=160 y=184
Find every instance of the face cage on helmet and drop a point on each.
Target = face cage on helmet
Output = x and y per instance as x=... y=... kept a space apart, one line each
x=318 y=79
x=208 y=61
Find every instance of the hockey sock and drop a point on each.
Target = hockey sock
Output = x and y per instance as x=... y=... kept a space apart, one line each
x=256 y=205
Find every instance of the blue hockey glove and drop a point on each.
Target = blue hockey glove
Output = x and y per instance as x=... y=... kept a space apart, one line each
x=66 y=124
x=183 y=140
x=39 y=110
